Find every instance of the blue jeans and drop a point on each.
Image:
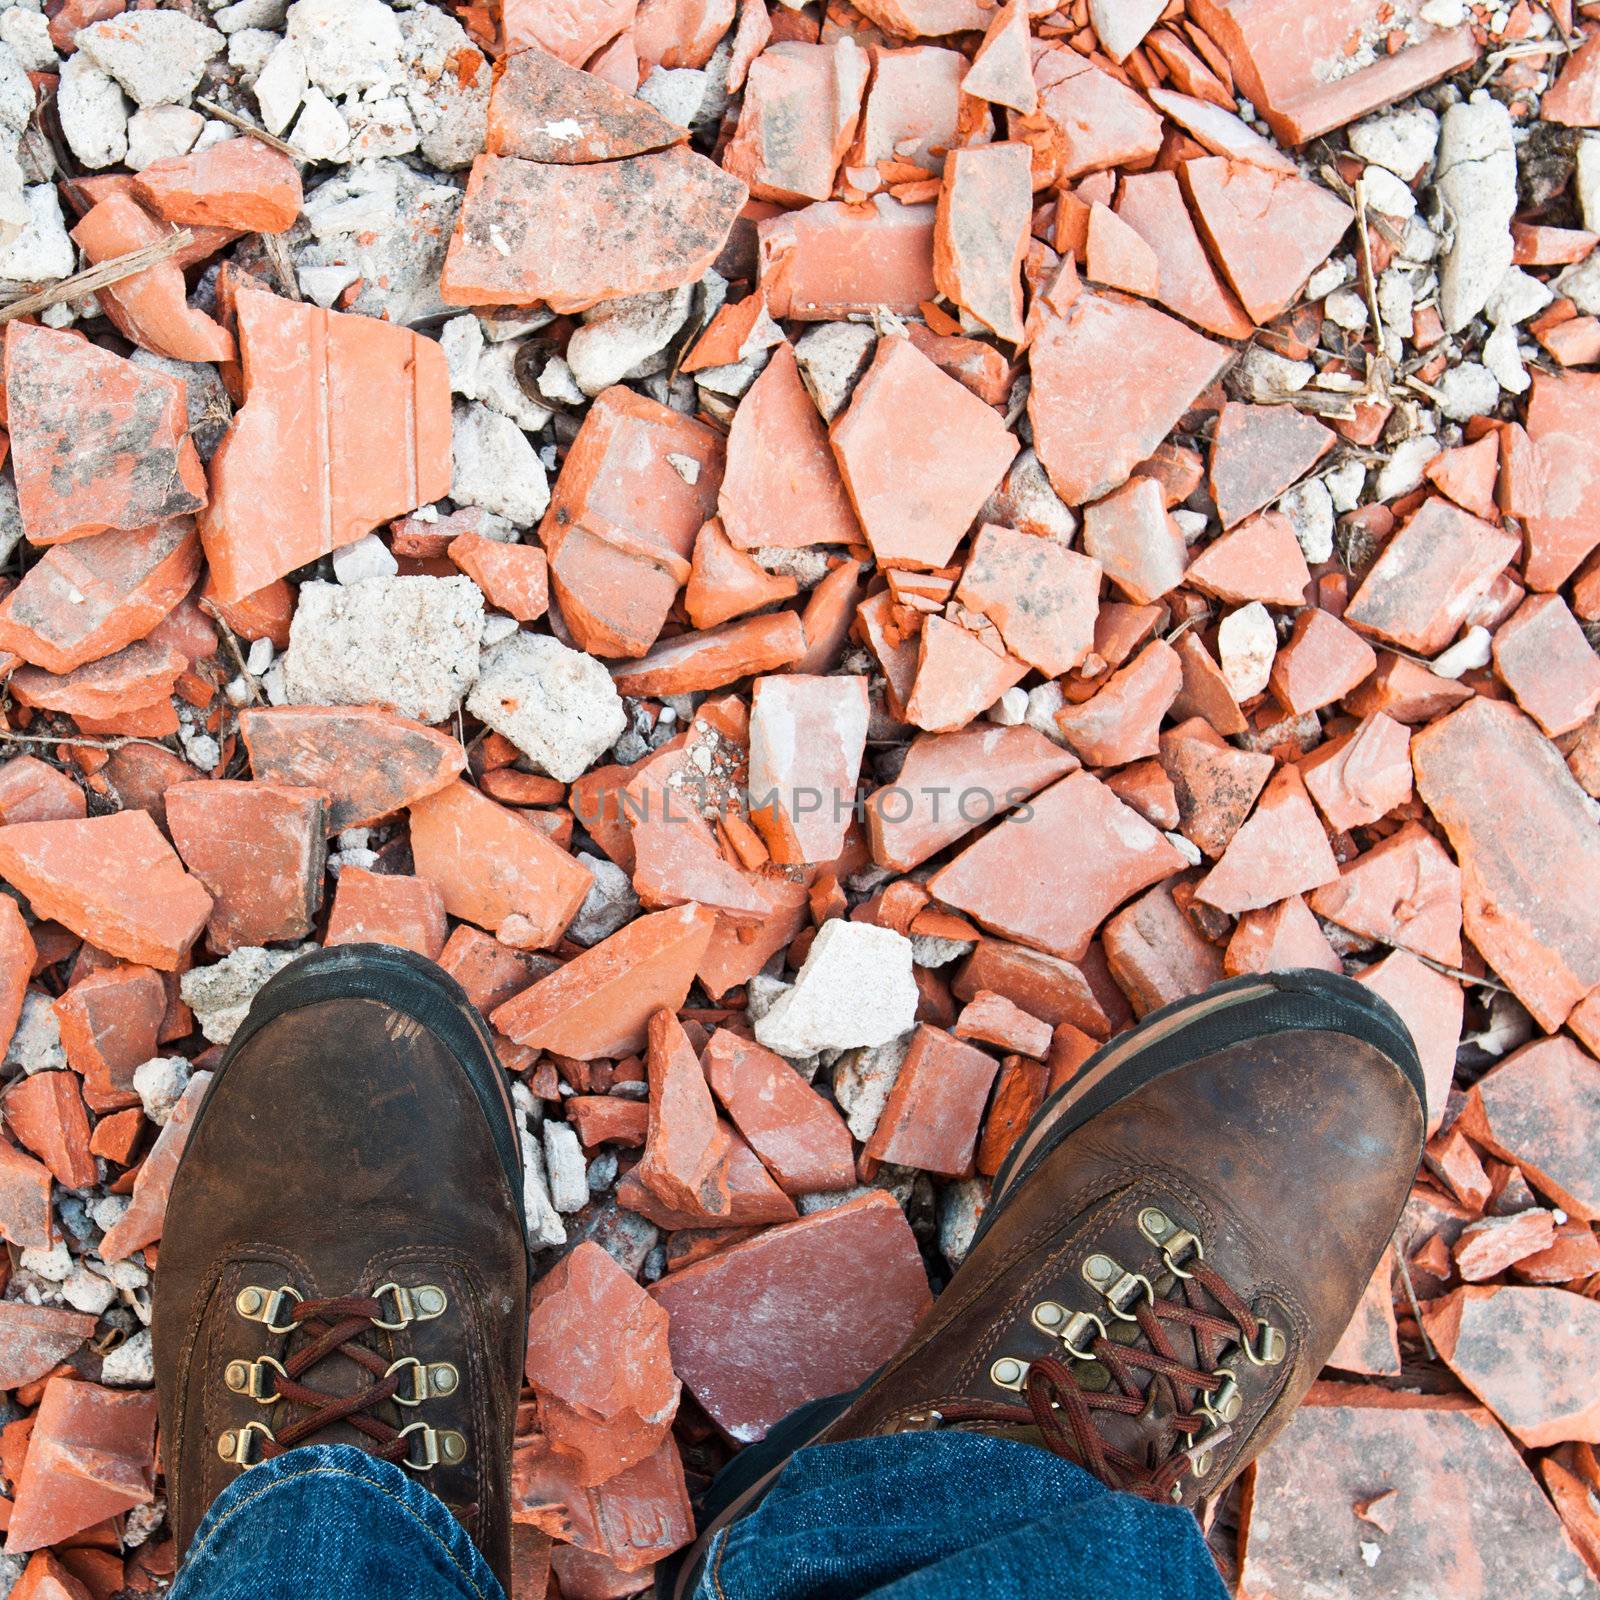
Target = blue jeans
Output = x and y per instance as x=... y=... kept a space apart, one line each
x=921 y=1516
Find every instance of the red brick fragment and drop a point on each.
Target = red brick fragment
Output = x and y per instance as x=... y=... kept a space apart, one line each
x=387 y=908
x=369 y=763
x=1404 y=891
x=1281 y=850
x=718 y=656
x=110 y=1023
x=1215 y=783
x=1001 y=70
x=1468 y=475
x=239 y=183
x=17 y=959
x=1322 y=661
x=827 y=260
x=754 y=1200
x=513 y=577
x=32 y=790
x=1120 y=722
x=62 y=391
x=137 y=676
x=958 y=676
x=1118 y=256
x=934 y=1110
x=990 y=1018
x=542 y=109
x=1279 y=938
x=573 y=235
x=1136 y=542
x=1370 y=1343
x=1554 y=485
x=1574 y=97
x=855 y=1265
x=91 y=1457
x=725 y=583
x=1362 y=775
x=25 y=1218
x=807 y=738
x=570 y=30
x=1431 y=1006
x=1041 y=595
x=45 y=1114
x=113 y=879
x=1543 y=658
x=1259 y=451
x=1485 y=1249
x=597 y=1360
x=310 y=461
x=981 y=233
x=799 y=1137
x=680 y=1163
x=599 y=1003
x=1156 y=954
x=1092 y=120
x=34 y=1338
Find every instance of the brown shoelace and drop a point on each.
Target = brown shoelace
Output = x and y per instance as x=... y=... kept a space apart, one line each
x=333 y=1326
x=1065 y=1413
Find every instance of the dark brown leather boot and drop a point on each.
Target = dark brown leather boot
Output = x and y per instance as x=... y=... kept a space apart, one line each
x=344 y=1258
x=1173 y=1247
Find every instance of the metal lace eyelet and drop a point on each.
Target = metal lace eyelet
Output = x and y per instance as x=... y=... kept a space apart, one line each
x=1270 y=1347
x=250 y=1378
x=265 y=1306
x=235 y=1445
x=1116 y=1285
x=420 y=1304
x=1174 y=1241
x=1008 y=1373
x=431 y=1380
x=436 y=1445
x=1225 y=1404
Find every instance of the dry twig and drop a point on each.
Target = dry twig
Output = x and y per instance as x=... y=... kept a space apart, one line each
x=100 y=276
x=245 y=125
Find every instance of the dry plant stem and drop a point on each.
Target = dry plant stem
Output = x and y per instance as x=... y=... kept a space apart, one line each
x=245 y=125
x=99 y=276
x=7 y=737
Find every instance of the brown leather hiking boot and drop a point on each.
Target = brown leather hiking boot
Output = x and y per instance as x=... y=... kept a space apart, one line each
x=1171 y=1250
x=344 y=1260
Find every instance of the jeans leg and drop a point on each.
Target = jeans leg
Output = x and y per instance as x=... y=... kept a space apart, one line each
x=331 y=1521
x=953 y=1516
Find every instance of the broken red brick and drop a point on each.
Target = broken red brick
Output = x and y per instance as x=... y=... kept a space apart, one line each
x=754 y=1200
x=573 y=235
x=681 y=1159
x=1557 y=496
x=1111 y=378
x=1120 y=722
x=572 y=31
x=110 y=1023
x=1156 y=954
x=62 y=391
x=513 y=577
x=1574 y=97
x=827 y=260
x=1404 y=891
x=113 y=879
x=635 y=489
x=1259 y=451
x=599 y=1003
x=1002 y=70
x=259 y=849
x=801 y=102
x=45 y=1114
x=597 y=1359
x=958 y=676
x=542 y=109
x=1420 y=589
x=1485 y=1249
x=1360 y=776
x=1431 y=1006
x=934 y=1110
x=981 y=233
x=33 y=1339
x=32 y=790
x=369 y=763
x=1279 y=938
x=1041 y=595
x=1468 y=475
x=990 y=1018
x=239 y=183
x=1543 y=658
x=807 y=738
x=1370 y=1344
x=1526 y=868
x=855 y=1264
x=91 y=1456
x=387 y=908
x=25 y=1218
x=915 y=509
x=1136 y=542
x=725 y=583
x=310 y=461
x=1091 y=120
x=1118 y=256
x=1215 y=783
x=137 y=676
x=1007 y=881
x=782 y=485
x=1281 y=850
x=799 y=1137
x=694 y=661
x=1322 y=661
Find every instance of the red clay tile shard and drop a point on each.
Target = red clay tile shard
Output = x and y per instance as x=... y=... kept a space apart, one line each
x=1321 y=662
x=828 y=260
x=1152 y=204
x=800 y=1137
x=853 y=1268
x=1574 y=98
x=572 y=30
x=1487 y=1248
x=1120 y=722
x=1278 y=939
x=952 y=783
x=91 y=1456
x=1405 y=690
x=1531 y=1355
x=1260 y=560
x=369 y=763
x=1421 y=588
x=981 y=233
x=916 y=496
x=636 y=487
x=1118 y=256
x=807 y=737
x=1543 y=658
x=1091 y=120
x=933 y=1112
x=599 y=1003
x=149 y=308
x=1259 y=451
x=990 y=1018
x=542 y=109
x=110 y=1023
x=1156 y=954
x=345 y=424
x=801 y=102
x=725 y=583
x=259 y=848
x=1527 y=870
x=45 y=1114
x=919 y=19
x=1360 y=776
x=34 y=1338
x=514 y=577
x=1111 y=378
x=1468 y=475
x=1404 y=891
x=1051 y=878
x=688 y=662
x=96 y=442
x=1473 y=1523
x=1562 y=511
x=1002 y=69
x=1042 y=595
x=113 y=880
x=136 y=676
x=597 y=1359
x=682 y=1162
x=239 y=183
x=1268 y=231
x=782 y=485
x=569 y=236
x=25 y=1218
x=1280 y=851
x=754 y=1200
x=1215 y=784
x=1431 y=1006
x=495 y=868
x=914 y=110
x=1541 y=1109
x=1370 y=1343
x=387 y=908
x=1220 y=131
x=958 y=677
x=1138 y=545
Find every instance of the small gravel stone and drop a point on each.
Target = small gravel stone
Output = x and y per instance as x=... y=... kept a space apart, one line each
x=160 y=1083
x=609 y=905
x=494 y=465
x=220 y=995
x=855 y=988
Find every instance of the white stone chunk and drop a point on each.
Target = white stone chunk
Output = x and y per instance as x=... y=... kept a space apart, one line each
x=1477 y=189
x=608 y=906
x=93 y=113
x=281 y=86
x=157 y=56
x=349 y=45
x=855 y=988
x=619 y=335
x=159 y=1084
x=1247 y=645
x=494 y=465
x=567 y=1171
x=220 y=994
x=367 y=558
